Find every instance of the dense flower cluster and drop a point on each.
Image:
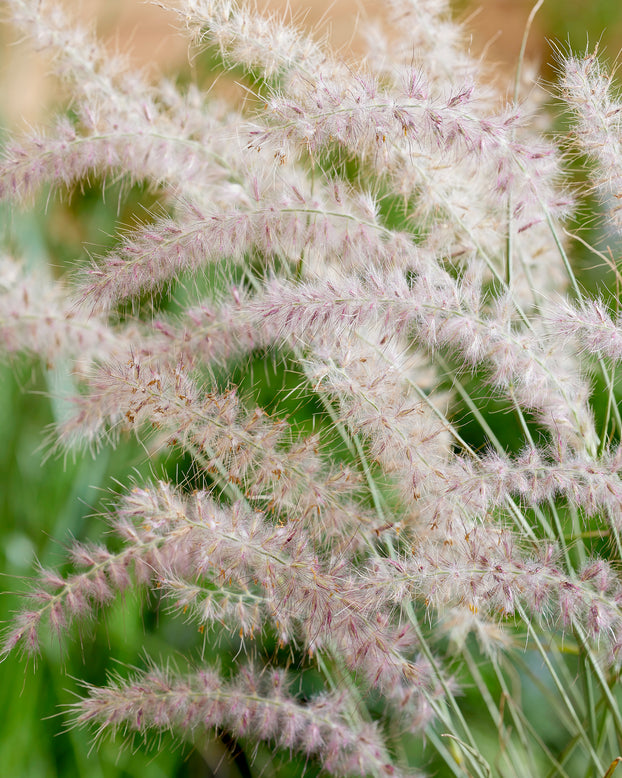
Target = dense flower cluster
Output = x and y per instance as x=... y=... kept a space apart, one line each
x=389 y=290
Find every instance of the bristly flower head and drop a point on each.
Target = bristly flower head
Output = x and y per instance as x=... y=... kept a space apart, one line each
x=441 y=463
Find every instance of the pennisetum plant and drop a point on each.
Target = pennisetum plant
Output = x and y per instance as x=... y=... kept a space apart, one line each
x=374 y=552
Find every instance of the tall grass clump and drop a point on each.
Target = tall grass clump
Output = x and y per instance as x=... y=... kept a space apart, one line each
x=380 y=412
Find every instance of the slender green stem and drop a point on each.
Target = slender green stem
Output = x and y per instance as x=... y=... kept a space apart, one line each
x=563 y=694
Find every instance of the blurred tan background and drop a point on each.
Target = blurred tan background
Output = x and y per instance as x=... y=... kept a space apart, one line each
x=149 y=34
